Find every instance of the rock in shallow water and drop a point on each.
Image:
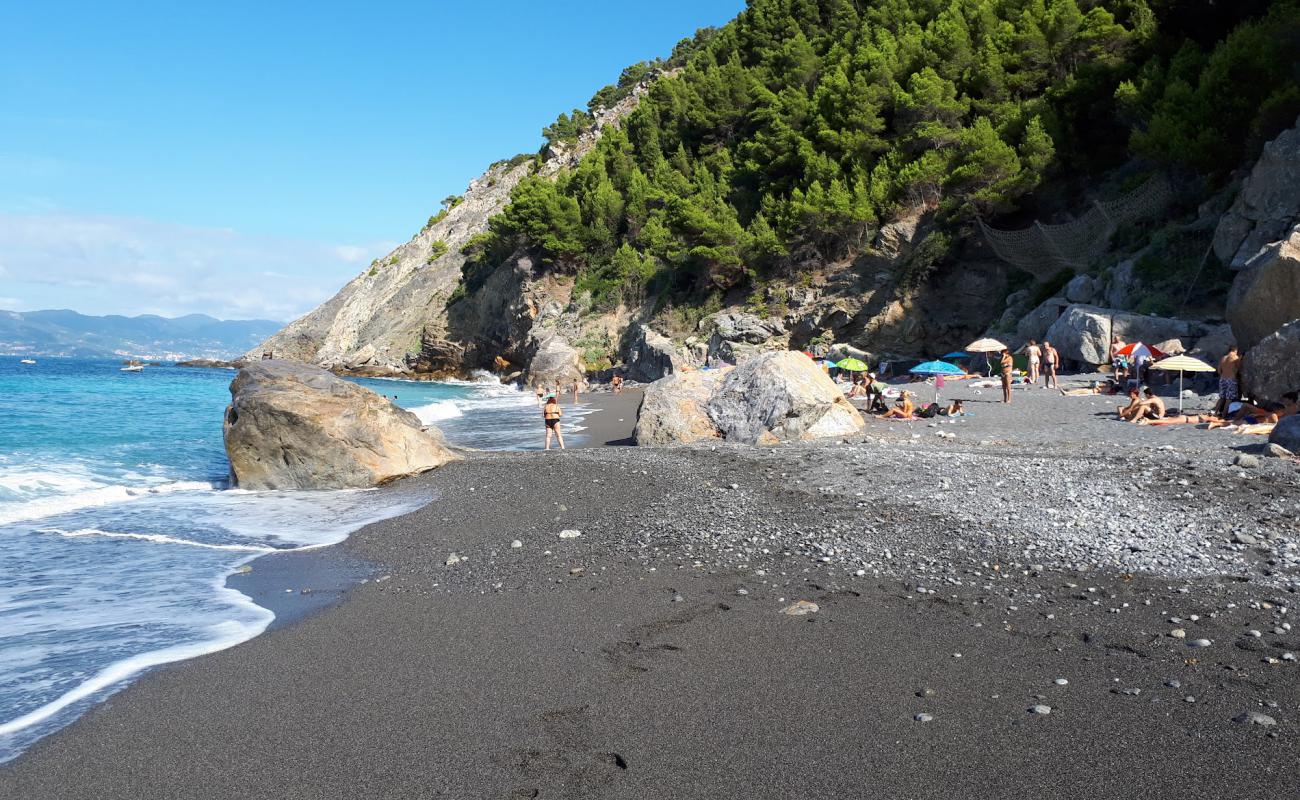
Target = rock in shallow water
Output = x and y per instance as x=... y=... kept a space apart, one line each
x=291 y=426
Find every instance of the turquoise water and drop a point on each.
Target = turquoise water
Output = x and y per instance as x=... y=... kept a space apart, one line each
x=118 y=528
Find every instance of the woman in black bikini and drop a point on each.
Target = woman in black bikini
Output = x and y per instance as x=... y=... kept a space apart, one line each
x=551 y=415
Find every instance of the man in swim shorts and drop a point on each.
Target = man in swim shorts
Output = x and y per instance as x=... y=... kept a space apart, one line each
x=1229 y=390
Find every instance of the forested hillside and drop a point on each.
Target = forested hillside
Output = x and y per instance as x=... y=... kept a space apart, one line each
x=818 y=168
x=788 y=136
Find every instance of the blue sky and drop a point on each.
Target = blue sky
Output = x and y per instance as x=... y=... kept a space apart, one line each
x=248 y=158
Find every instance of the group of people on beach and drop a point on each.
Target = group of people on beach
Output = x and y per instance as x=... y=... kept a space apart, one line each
x=1044 y=361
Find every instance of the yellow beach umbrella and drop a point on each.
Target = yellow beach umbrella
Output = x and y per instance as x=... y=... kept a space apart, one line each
x=1182 y=364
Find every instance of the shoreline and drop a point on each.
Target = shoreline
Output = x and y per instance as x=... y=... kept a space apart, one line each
x=567 y=658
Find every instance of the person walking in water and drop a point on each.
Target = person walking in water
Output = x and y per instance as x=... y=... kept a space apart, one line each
x=551 y=416
x=1007 y=363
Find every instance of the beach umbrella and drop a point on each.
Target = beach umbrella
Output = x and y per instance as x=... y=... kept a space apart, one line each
x=985 y=346
x=852 y=365
x=936 y=369
x=1182 y=364
x=1137 y=350
x=957 y=354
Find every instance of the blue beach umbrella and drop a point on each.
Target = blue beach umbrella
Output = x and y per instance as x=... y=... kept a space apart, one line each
x=936 y=368
x=957 y=354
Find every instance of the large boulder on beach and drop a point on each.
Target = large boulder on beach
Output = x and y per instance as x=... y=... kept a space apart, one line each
x=1266 y=294
x=293 y=426
x=773 y=397
x=1214 y=344
x=555 y=363
x=1083 y=333
x=1038 y=322
x=1271 y=368
x=1267 y=206
x=672 y=409
x=782 y=396
x=1286 y=433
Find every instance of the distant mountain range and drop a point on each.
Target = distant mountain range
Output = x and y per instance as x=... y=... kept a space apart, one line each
x=67 y=333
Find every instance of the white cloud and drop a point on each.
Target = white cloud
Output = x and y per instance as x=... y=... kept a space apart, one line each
x=100 y=265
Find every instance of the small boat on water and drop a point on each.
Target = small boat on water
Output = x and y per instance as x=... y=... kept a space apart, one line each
x=133 y=368
x=28 y=361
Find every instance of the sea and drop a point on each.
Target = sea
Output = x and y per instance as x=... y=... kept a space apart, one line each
x=118 y=525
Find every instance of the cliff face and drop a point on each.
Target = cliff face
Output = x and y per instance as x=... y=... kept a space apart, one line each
x=392 y=319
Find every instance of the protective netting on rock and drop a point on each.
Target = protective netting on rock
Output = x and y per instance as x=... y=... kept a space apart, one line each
x=1043 y=250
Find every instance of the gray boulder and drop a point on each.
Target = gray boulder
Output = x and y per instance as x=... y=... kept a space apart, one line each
x=672 y=409
x=1266 y=294
x=652 y=356
x=1122 y=287
x=780 y=396
x=1083 y=333
x=1081 y=289
x=555 y=363
x=1036 y=323
x=1267 y=206
x=1214 y=344
x=1271 y=368
x=1286 y=434
x=291 y=426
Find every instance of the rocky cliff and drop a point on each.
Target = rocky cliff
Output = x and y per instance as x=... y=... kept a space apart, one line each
x=392 y=318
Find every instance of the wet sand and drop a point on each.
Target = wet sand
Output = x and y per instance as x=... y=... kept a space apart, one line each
x=649 y=658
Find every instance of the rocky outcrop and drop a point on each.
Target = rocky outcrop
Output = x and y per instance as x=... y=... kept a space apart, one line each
x=380 y=321
x=773 y=397
x=672 y=409
x=1287 y=433
x=1271 y=368
x=1036 y=323
x=293 y=426
x=1268 y=205
x=737 y=336
x=651 y=356
x=1083 y=333
x=1266 y=294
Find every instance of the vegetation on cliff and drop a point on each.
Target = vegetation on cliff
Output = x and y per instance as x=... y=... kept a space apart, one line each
x=793 y=132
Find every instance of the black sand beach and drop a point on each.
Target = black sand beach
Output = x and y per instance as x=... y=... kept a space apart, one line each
x=957 y=579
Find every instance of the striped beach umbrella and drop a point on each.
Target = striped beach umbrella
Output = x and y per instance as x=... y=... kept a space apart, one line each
x=1182 y=364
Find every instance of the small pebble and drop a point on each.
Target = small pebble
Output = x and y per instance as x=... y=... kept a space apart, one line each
x=1040 y=709
x=923 y=717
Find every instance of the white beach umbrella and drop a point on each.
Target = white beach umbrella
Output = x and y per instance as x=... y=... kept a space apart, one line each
x=1182 y=364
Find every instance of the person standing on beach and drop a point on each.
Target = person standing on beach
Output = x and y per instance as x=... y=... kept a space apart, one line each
x=575 y=392
x=1035 y=358
x=551 y=416
x=1051 y=360
x=1229 y=370
x=1007 y=363
x=617 y=383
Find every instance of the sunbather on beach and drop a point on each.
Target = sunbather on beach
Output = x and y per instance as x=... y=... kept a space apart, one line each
x=1134 y=404
x=1151 y=407
x=905 y=409
x=954 y=409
